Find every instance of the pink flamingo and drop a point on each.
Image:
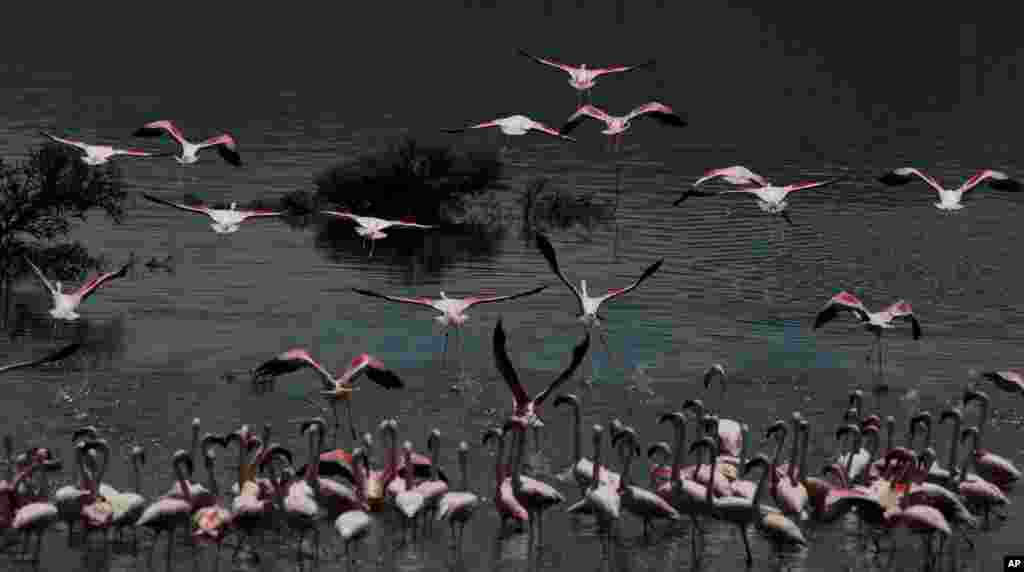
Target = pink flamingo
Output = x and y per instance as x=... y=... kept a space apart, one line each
x=582 y=469
x=730 y=433
x=64 y=305
x=432 y=488
x=458 y=507
x=51 y=357
x=771 y=198
x=212 y=522
x=685 y=495
x=600 y=499
x=534 y=495
x=97 y=513
x=616 y=125
x=224 y=143
x=643 y=503
x=252 y=508
x=920 y=519
x=950 y=199
x=128 y=506
x=453 y=310
x=93 y=155
x=790 y=494
x=33 y=517
x=874 y=322
x=372 y=228
x=354 y=525
x=505 y=501
x=225 y=221
x=523 y=406
x=1009 y=380
x=335 y=388
x=998 y=470
x=582 y=78
x=511 y=126
x=975 y=490
x=168 y=513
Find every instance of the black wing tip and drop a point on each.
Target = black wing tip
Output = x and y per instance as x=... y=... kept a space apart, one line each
x=147 y=132
x=1005 y=184
x=891 y=178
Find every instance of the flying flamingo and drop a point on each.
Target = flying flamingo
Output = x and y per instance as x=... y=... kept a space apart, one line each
x=951 y=199
x=534 y=495
x=582 y=78
x=335 y=388
x=225 y=221
x=33 y=517
x=93 y=155
x=991 y=467
x=224 y=143
x=523 y=406
x=453 y=310
x=355 y=524
x=458 y=507
x=1009 y=380
x=641 y=502
x=505 y=501
x=590 y=305
x=168 y=513
x=511 y=126
x=600 y=499
x=372 y=227
x=874 y=322
x=65 y=305
x=582 y=469
x=771 y=198
x=51 y=357
x=616 y=125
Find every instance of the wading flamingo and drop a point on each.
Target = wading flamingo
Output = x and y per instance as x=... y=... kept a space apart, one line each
x=771 y=198
x=996 y=469
x=874 y=322
x=168 y=513
x=1009 y=380
x=505 y=501
x=582 y=469
x=536 y=496
x=453 y=310
x=643 y=503
x=33 y=517
x=951 y=199
x=600 y=499
x=355 y=525
x=581 y=77
x=458 y=507
x=93 y=155
x=129 y=506
x=616 y=125
x=65 y=305
x=730 y=433
x=224 y=143
x=372 y=228
x=225 y=221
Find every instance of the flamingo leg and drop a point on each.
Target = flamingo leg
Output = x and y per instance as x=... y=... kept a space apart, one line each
x=351 y=421
x=372 y=244
x=337 y=422
x=444 y=349
x=746 y=545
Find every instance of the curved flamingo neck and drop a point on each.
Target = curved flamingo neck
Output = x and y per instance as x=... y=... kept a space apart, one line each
x=499 y=465
x=679 y=455
x=595 y=475
x=805 y=440
x=954 y=446
x=464 y=470
x=138 y=474
x=794 y=450
x=179 y=472
x=577 y=420
x=627 y=463
x=517 y=466
x=854 y=449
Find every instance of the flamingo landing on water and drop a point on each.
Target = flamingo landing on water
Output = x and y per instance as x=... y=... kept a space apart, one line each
x=582 y=78
x=94 y=155
x=372 y=227
x=513 y=125
x=225 y=221
x=616 y=125
x=952 y=199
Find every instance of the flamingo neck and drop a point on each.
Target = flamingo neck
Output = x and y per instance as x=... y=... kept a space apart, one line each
x=577 y=454
x=708 y=495
x=595 y=475
x=627 y=462
x=499 y=469
x=890 y=434
x=583 y=288
x=138 y=474
x=805 y=438
x=517 y=479
x=464 y=470
x=981 y=425
x=211 y=477
x=759 y=491
x=954 y=445
x=179 y=472
x=849 y=459
x=794 y=451
x=408 y=470
x=679 y=455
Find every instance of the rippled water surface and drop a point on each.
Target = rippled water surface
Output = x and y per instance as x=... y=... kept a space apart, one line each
x=737 y=287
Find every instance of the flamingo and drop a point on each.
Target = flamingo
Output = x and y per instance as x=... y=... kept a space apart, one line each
x=453 y=310
x=643 y=503
x=168 y=513
x=993 y=468
x=251 y=509
x=458 y=507
x=34 y=517
x=94 y=155
x=354 y=525
x=338 y=388
x=874 y=322
x=51 y=357
x=372 y=228
x=225 y=221
x=535 y=496
x=582 y=78
x=616 y=125
x=513 y=125
x=409 y=501
x=303 y=506
x=600 y=499
x=790 y=494
x=97 y=513
x=771 y=198
x=65 y=305
x=729 y=469
x=974 y=489
x=224 y=143
x=523 y=406
x=920 y=519
x=129 y=506
x=433 y=488
x=212 y=522
x=200 y=496
x=70 y=498
x=1009 y=380
x=421 y=466
x=505 y=501
x=582 y=468
x=951 y=199
x=730 y=433
x=686 y=495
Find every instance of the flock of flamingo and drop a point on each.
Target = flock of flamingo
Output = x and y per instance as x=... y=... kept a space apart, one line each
x=883 y=485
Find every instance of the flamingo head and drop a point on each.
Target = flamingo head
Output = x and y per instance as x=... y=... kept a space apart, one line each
x=233 y=206
x=58 y=286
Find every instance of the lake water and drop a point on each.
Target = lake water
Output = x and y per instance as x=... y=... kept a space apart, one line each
x=737 y=287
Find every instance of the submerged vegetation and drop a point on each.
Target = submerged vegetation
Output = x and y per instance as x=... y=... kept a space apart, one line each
x=547 y=206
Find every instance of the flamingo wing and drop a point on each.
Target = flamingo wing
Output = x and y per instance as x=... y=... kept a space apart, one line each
x=549 y=253
x=429 y=303
x=473 y=301
x=344 y=215
x=734 y=175
x=87 y=289
x=659 y=111
x=409 y=223
x=73 y=143
x=716 y=370
x=538 y=126
x=582 y=113
x=51 y=357
x=505 y=368
x=200 y=208
x=1008 y=380
x=158 y=128
x=226 y=146
x=618 y=69
x=49 y=285
x=289 y=361
x=647 y=274
x=843 y=301
x=578 y=353
x=904 y=175
x=810 y=185
x=375 y=370
x=485 y=124
x=547 y=62
x=901 y=310
x=139 y=153
x=996 y=180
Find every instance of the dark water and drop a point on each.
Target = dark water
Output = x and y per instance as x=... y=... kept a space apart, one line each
x=790 y=94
